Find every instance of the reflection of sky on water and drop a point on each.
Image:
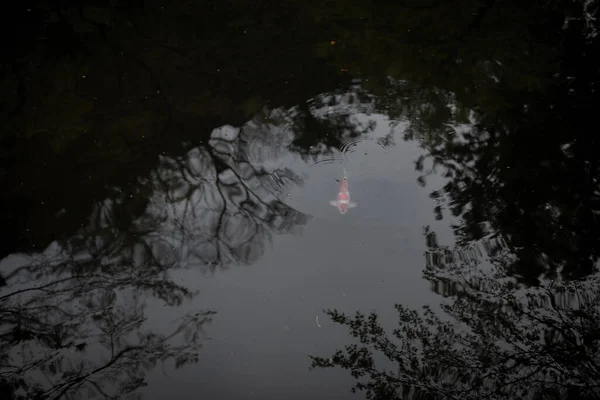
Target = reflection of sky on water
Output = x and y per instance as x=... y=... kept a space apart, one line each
x=223 y=205
x=367 y=259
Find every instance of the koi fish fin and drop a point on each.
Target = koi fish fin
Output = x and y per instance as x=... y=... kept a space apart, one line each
x=334 y=203
x=352 y=205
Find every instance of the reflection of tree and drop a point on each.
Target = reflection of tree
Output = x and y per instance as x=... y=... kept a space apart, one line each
x=439 y=258
x=461 y=49
x=494 y=105
x=523 y=178
x=328 y=122
x=215 y=206
x=221 y=205
x=81 y=328
x=526 y=168
x=72 y=326
x=93 y=93
x=500 y=343
x=531 y=176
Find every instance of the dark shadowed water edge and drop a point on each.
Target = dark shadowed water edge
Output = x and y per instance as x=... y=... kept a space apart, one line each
x=168 y=172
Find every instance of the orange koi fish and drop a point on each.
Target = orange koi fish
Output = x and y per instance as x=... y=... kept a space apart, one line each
x=343 y=202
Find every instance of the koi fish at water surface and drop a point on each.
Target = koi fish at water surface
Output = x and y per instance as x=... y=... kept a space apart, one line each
x=343 y=202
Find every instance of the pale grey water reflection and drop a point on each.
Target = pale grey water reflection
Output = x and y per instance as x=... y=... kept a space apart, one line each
x=271 y=313
x=255 y=214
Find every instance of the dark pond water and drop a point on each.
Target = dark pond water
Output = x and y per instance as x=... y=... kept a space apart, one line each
x=168 y=171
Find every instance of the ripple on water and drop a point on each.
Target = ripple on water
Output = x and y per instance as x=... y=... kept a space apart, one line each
x=390 y=201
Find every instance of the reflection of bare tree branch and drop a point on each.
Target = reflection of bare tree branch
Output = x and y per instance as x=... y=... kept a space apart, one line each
x=79 y=331
x=213 y=207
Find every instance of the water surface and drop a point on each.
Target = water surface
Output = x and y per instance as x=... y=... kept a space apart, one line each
x=167 y=171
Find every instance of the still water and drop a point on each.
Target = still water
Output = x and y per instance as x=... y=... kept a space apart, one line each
x=168 y=172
